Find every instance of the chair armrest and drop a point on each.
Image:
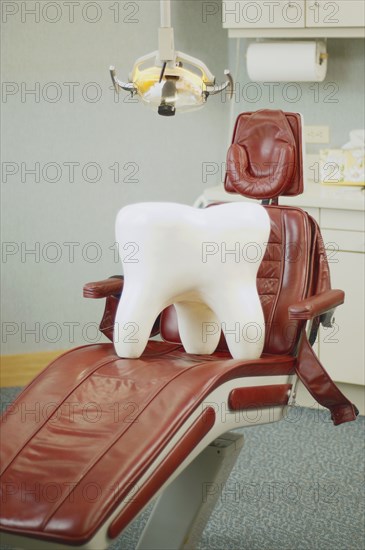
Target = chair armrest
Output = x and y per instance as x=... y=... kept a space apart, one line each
x=111 y=289
x=316 y=305
x=103 y=289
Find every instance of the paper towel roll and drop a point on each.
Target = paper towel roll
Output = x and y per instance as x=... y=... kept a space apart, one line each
x=287 y=61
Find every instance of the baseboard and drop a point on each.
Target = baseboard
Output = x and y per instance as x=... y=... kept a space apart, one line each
x=19 y=370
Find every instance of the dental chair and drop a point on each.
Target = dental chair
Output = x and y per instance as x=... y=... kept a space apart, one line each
x=94 y=438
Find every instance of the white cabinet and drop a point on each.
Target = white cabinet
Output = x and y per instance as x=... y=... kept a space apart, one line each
x=340 y=13
x=294 y=18
x=341 y=348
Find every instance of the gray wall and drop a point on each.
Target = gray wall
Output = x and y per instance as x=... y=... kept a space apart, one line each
x=163 y=156
x=159 y=159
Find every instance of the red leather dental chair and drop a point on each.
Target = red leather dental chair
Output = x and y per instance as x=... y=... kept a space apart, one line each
x=109 y=434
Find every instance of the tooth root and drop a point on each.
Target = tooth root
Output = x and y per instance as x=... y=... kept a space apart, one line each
x=242 y=321
x=133 y=324
x=198 y=327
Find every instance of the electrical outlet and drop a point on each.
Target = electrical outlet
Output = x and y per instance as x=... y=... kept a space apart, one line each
x=316 y=134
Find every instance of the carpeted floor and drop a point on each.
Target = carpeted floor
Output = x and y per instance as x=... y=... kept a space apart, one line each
x=298 y=484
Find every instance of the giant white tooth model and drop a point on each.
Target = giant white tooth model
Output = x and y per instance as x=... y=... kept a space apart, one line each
x=205 y=262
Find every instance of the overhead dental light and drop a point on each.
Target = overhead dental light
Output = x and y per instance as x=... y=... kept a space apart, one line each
x=170 y=81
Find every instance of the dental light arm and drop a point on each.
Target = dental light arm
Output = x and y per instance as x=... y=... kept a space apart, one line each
x=169 y=80
x=119 y=85
x=219 y=88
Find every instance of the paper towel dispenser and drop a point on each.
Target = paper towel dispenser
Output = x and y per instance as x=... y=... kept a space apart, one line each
x=287 y=61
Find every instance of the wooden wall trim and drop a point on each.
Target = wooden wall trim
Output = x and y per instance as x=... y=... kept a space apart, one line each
x=18 y=370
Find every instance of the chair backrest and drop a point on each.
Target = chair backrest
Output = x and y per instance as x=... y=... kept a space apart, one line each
x=264 y=161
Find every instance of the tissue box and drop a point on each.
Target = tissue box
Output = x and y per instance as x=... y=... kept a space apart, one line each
x=342 y=167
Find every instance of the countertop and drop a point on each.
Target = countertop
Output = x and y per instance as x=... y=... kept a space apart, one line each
x=315 y=196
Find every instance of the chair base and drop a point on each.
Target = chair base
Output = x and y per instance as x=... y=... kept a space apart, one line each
x=182 y=511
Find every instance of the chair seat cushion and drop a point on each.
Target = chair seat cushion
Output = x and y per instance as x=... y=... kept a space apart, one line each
x=91 y=424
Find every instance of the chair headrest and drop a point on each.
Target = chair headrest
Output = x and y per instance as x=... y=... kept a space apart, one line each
x=265 y=159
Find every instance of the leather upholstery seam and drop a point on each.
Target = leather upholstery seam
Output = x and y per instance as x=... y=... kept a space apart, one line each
x=280 y=279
